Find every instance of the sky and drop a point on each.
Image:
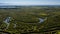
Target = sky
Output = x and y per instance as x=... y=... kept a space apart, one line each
x=29 y=2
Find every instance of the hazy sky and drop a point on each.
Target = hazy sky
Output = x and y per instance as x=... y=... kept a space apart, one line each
x=29 y=2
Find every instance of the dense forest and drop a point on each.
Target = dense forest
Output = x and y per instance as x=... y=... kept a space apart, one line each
x=29 y=19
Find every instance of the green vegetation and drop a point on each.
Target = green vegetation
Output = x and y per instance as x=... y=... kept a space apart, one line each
x=27 y=19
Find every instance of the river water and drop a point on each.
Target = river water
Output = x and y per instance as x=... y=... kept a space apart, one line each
x=7 y=20
x=42 y=19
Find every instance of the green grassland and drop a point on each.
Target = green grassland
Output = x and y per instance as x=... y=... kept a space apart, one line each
x=27 y=19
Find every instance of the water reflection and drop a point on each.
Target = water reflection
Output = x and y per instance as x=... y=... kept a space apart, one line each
x=7 y=20
x=42 y=19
